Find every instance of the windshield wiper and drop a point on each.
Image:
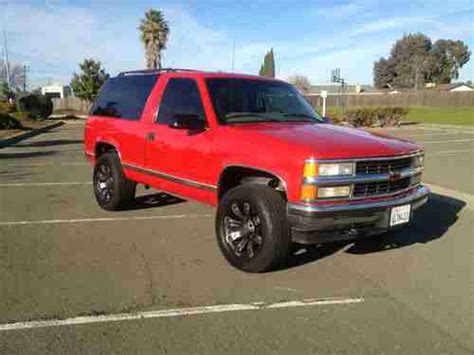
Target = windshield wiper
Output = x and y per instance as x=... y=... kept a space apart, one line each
x=249 y=117
x=244 y=114
x=300 y=115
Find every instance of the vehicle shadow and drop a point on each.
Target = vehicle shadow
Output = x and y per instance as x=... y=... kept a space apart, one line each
x=50 y=143
x=431 y=222
x=26 y=154
x=158 y=199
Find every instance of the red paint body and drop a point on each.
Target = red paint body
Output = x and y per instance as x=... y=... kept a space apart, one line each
x=277 y=148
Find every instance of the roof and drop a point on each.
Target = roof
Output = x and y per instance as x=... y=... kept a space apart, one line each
x=193 y=72
x=155 y=71
x=448 y=87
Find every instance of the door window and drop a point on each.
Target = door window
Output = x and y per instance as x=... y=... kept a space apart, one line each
x=181 y=97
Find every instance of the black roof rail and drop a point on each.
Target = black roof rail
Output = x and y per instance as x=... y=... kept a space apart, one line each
x=155 y=71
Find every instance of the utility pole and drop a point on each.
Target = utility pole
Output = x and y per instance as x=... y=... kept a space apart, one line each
x=7 y=64
x=24 y=78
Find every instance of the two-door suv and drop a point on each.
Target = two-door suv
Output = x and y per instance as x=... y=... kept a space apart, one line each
x=278 y=172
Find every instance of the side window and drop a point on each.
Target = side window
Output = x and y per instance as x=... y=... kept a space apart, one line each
x=124 y=96
x=181 y=97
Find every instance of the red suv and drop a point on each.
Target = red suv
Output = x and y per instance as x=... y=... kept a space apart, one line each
x=278 y=172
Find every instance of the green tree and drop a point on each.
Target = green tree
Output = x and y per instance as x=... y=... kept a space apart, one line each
x=384 y=73
x=87 y=84
x=447 y=57
x=268 y=67
x=414 y=60
x=154 y=32
x=410 y=57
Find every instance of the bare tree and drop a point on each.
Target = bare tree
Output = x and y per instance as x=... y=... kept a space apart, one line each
x=301 y=82
x=17 y=75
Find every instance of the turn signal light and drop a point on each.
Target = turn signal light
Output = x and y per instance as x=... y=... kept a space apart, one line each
x=309 y=192
x=310 y=169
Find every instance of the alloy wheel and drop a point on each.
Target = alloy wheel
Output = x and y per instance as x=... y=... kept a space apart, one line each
x=242 y=230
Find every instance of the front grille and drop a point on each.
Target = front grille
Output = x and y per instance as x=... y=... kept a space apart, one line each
x=382 y=166
x=366 y=189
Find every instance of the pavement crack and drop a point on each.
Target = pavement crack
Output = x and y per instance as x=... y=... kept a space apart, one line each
x=150 y=283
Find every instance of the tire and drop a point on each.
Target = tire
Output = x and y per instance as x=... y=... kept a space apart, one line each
x=112 y=190
x=267 y=232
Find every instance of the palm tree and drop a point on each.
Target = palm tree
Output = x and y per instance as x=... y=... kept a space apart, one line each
x=154 y=34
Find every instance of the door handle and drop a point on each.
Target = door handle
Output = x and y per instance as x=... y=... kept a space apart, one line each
x=150 y=136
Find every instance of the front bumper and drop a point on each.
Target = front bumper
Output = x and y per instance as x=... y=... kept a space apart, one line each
x=312 y=224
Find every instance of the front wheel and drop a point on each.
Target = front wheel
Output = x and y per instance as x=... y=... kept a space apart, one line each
x=252 y=229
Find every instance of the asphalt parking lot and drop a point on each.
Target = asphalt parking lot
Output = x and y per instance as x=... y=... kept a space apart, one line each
x=62 y=257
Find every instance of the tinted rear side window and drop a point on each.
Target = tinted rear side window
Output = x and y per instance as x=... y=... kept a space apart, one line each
x=124 y=96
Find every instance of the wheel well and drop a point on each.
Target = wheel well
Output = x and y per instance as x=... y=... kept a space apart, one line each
x=236 y=175
x=102 y=148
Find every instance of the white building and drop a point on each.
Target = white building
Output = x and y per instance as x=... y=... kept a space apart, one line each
x=460 y=87
x=56 y=91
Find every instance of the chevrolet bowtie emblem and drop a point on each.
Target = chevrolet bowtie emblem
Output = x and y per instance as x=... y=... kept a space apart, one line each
x=394 y=175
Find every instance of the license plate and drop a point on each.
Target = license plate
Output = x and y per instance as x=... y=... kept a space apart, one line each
x=400 y=215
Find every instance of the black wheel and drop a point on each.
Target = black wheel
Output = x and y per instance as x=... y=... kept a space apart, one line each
x=252 y=229
x=112 y=189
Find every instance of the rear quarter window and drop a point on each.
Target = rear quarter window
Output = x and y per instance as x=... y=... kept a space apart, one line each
x=124 y=96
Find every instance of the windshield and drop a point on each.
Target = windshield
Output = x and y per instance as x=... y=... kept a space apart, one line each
x=254 y=100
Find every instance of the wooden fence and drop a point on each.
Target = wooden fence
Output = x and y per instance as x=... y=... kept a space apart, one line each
x=71 y=105
x=406 y=99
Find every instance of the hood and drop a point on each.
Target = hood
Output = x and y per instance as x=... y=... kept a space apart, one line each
x=327 y=141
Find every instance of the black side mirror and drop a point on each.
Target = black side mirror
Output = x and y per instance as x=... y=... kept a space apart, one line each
x=190 y=122
x=326 y=119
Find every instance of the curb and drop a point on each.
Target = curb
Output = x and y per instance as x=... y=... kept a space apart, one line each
x=25 y=135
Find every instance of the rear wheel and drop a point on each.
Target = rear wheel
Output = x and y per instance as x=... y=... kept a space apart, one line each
x=112 y=189
x=252 y=229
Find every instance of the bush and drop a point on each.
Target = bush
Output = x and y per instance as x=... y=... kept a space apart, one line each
x=8 y=122
x=375 y=116
x=38 y=105
x=7 y=107
x=336 y=118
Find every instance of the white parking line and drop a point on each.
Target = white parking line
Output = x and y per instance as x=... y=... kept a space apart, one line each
x=449 y=141
x=409 y=135
x=102 y=219
x=452 y=151
x=178 y=312
x=447 y=130
x=28 y=184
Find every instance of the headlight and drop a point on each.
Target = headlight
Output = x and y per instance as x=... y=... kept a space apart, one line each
x=311 y=192
x=336 y=169
x=313 y=169
x=334 y=191
x=419 y=160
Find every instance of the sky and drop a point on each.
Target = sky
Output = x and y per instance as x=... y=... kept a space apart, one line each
x=308 y=37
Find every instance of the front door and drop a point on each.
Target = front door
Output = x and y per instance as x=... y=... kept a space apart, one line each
x=174 y=154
